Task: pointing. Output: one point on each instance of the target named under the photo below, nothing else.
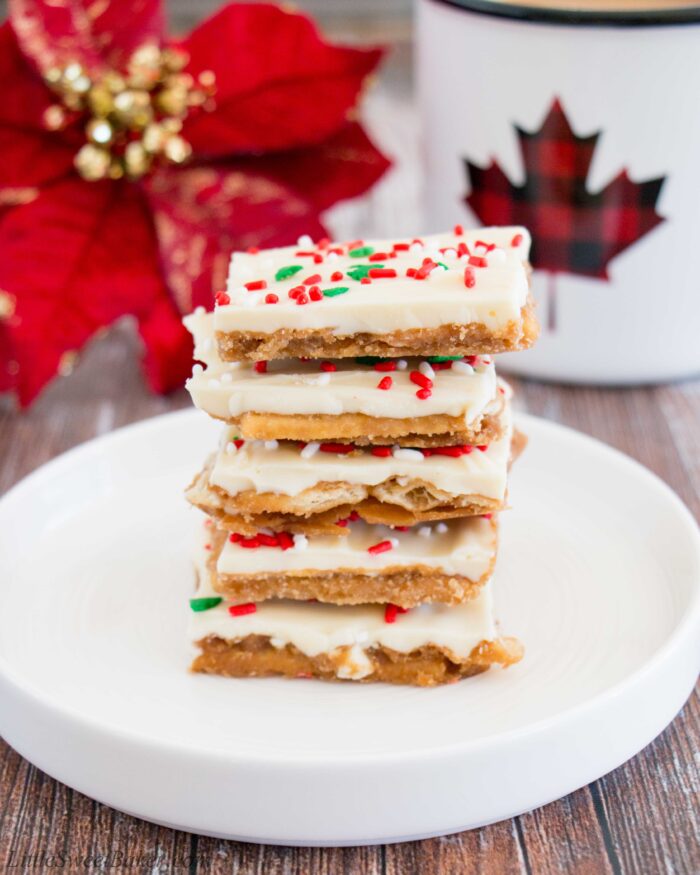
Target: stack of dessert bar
(352, 504)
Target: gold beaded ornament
(135, 118)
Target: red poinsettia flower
(88, 235)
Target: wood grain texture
(642, 818)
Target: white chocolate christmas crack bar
(256, 479)
(445, 562)
(425, 402)
(428, 645)
(458, 293)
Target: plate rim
(469, 747)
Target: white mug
(584, 126)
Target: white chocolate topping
(289, 470)
(496, 297)
(293, 387)
(463, 547)
(316, 628)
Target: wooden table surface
(642, 818)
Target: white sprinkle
(230, 447)
(305, 241)
(462, 368)
(227, 377)
(403, 454)
(441, 528)
(301, 542)
(332, 256)
(426, 370)
(450, 253)
(425, 531)
(401, 365)
(197, 370)
(250, 300)
(322, 379)
(394, 542)
(310, 450)
(415, 247)
(271, 445)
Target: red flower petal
(278, 85)
(75, 259)
(343, 167)
(201, 214)
(98, 35)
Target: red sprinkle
(385, 366)
(459, 230)
(256, 285)
(423, 394)
(252, 250)
(315, 293)
(385, 383)
(421, 380)
(302, 299)
(328, 366)
(517, 240)
(267, 540)
(313, 279)
(336, 275)
(295, 291)
(469, 277)
(241, 610)
(271, 298)
(260, 367)
(402, 528)
(411, 271)
(401, 247)
(392, 611)
(222, 298)
(336, 448)
(249, 543)
(285, 540)
(382, 452)
(379, 256)
(354, 516)
(483, 447)
(487, 516)
(462, 248)
(487, 246)
(238, 443)
(365, 281)
(342, 523)
(235, 537)
(305, 254)
(318, 258)
(379, 272)
(323, 243)
(441, 366)
(381, 547)
(478, 261)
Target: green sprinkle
(362, 252)
(331, 293)
(360, 271)
(205, 604)
(444, 358)
(370, 359)
(285, 272)
(442, 264)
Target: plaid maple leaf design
(574, 230)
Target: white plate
(599, 576)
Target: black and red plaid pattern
(573, 230)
